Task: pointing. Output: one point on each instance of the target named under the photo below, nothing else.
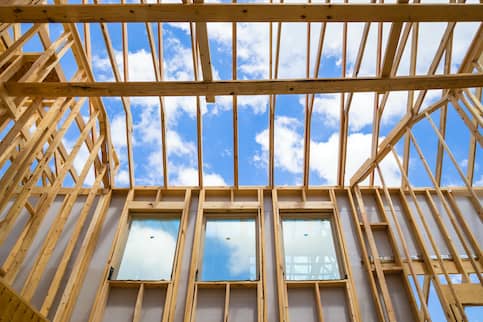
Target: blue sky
(253, 63)
(253, 111)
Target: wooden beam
(204, 53)
(391, 47)
(391, 139)
(125, 100)
(234, 76)
(242, 87)
(199, 115)
(242, 13)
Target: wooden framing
(241, 12)
(412, 238)
(178, 88)
(385, 80)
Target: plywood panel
(334, 304)
(153, 304)
(302, 305)
(210, 305)
(399, 298)
(243, 305)
(120, 304)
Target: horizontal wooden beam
(242, 13)
(242, 87)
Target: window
(229, 250)
(150, 249)
(309, 248)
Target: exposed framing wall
(376, 283)
(57, 244)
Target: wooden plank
(172, 292)
(125, 100)
(138, 308)
(103, 289)
(237, 205)
(243, 87)
(472, 126)
(422, 243)
(19, 252)
(46, 249)
(74, 284)
(204, 54)
(474, 200)
(235, 106)
(379, 273)
(279, 261)
(405, 247)
(389, 54)
(11, 303)
(226, 308)
(148, 206)
(468, 294)
(320, 313)
(16, 172)
(385, 146)
(191, 292)
(307, 205)
(159, 75)
(241, 13)
(62, 266)
(352, 300)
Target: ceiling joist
(242, 13)
(242, 87)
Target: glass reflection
(229, 250)
(150, 248)
(309, 250)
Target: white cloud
(176, 145)
(122, 177)
(149, 252)
(288, 145)
(323, 155)
(240, 238)
(118, 132)
(188, 176)
(324, 158)
(253, 63)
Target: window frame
(304, 214)
(228, 215)
(158, 214)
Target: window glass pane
(150, 248)
(229, 250)
(309, 250)
(474, 313)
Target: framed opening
(309, 248)
(229, 250)
(150, 248)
